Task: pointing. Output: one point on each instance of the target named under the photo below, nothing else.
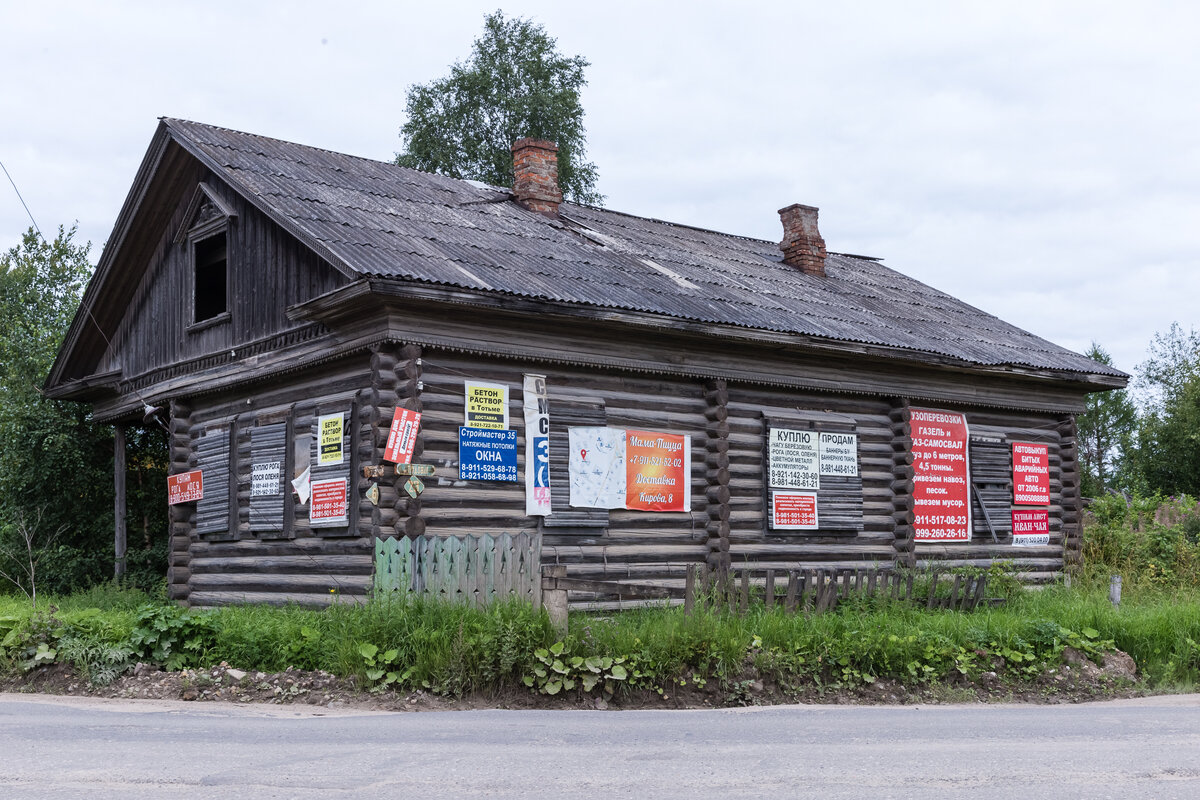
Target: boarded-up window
(329, 472)
(839, 496)
(212, 457)
(565, 414)
(991, 482)
(267, 452)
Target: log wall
(281, 559)
(727, 525)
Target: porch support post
(119, 500)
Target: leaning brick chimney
(535, 175)
(802, 244)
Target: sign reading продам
(839, 454)
(794, 511)
(1031, 474)
(941, 488)
(186, 487)
(1030, 527)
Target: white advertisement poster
(839, 454)
(265, 479)
(794, 459)
(537, 446)
(597, 467)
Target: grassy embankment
(455, 650)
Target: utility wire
(22, 199)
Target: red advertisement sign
(187, 487)
(1030, 527)
(657, 471)
(1031, 474)
(328, 503)
(403, 436)
(941, 491)
(794, 510)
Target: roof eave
(350, 300)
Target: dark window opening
(211, 276)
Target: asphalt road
(71, 748)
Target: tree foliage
(55, 461)
(1168, 437)
(1106, 432)
(515, 84)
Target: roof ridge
(338, 153)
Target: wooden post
(554, 599)
(689, 589)
(119, 510)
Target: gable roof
(376, 219)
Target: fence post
(1114, 591)
(554, 599)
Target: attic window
(210, 289)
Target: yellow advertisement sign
(487, 405)
(330, 444)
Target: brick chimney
(535, 175)
(802, 244)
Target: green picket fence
(467, 569)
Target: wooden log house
(262, 297)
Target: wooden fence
(818, 591)
(810, 591)
(468, 569)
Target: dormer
(204, 234)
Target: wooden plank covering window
(325, 472)
(566, 414)
(212, 457)
(268, 444)
(840, 497)
(991, 475)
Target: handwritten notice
(941, 492)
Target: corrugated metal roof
(380, 219)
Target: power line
(22, 199)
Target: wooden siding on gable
(268, 270)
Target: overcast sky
(1039, 160)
